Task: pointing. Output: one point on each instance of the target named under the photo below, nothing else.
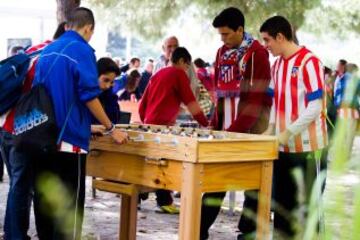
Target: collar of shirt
(76, 36)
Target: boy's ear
(240, 29)
(280, 37)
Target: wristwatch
(110, 130)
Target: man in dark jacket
(242, 76)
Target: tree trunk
(64, 8)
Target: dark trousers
(211, 206)
(3, 154)
(163, 197)
(59, 195)
(294, 178)
(331, 119)
(1, 169)
(5, 146)
(19, 167)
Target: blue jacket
(339, 88)
(120, 83)
(67, 67)
(109, 101)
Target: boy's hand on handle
(119, 136)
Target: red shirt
(255, 103)
(205, 78)
(167, 89)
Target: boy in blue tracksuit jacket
(68, 70)
(77, 86)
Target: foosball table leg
(190, 206)
(128, 215)
(263, 216)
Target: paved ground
(102, 213)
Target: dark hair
(343, 62)
(107, 65)
(230, 17)
(133, 78)
(278, 24)
(81, 17)
(199, 63)
(180, 52)
(134, 59)
(327, 70)
(133, 73)
(59, 30)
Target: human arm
(98, 112)
(249, 109)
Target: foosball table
(191, 161)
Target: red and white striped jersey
(295, 82)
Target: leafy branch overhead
(150, 19)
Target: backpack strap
(35, 53)
(43, 80)
(63, 127)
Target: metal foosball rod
(157, 139)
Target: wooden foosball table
(191, 161)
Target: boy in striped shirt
(297, 118)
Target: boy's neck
(290, 49)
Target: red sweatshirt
(167, 89)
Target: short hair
(230, 17)
(81, 17)
(133, 78)
(107, 65)
(199, 63)
(180, 52)
(59, 30)
(278, 24)
(133, 73)
(134, 59)
(343, 62)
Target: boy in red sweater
(167, 89)
(160, 104)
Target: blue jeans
(20, 194)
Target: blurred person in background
(146, 75)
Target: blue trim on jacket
(314, 95)
(67, 67)
(339, 89)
